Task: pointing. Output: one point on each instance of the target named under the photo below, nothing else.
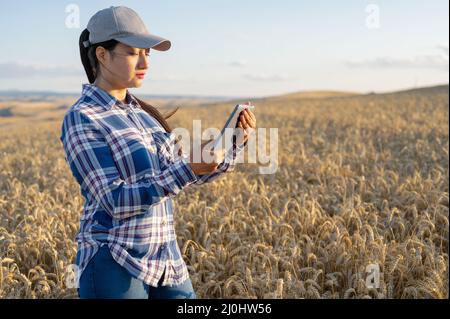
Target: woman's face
(123, 67)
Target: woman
(121, 152)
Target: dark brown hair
(90, 64)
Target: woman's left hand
(247, 122)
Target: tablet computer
(231, 124)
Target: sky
(240, 48)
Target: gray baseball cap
(124, 25)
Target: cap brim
(145, 42)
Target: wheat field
(361, 180)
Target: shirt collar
(106, 100)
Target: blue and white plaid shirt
(128, 171)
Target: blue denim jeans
(104, 278)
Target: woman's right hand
(205, 166)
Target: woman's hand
(247, 122)
(208, 164)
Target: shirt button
(163, 246)
(163, 222)
(152, 149)
(141, 129)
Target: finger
(248, 117)
(244, 122)
(249, 123)
(252, 123)
(251, 119)
(240, 116)
(250, 113)
(241, 119)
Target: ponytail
(85, 56)
(90, 64)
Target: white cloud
(444, 48)
(263, 77)
(172, 77)
(20, 70)
(430, 61)
(237, 63)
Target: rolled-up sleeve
(93, 166)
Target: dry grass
(361, 180)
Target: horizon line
(6, 92)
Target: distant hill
(329, 94)
(315, 94)
(15, 94)
(17, 106)
(319, 94)
(171, 101)
(28, 94)
(424, 90)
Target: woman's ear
(100, 52)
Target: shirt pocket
(135, 154)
